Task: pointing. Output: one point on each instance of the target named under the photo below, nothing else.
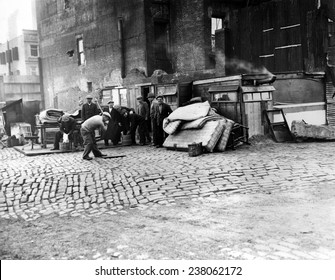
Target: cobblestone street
(272, 201)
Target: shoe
(54, 149)
(158, 146)
(87, 158)
(102, 155)
(142, 144)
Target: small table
(31, 138)
(43, 128)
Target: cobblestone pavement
(149, 178)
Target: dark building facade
(122, 49)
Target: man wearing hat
(88, 133)
(153, 125)
(143, 111)
(114, 128)
(161, 111)
(67, 125)
(89, 109)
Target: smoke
(245, 67)
(238, 66)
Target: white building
(19, 56)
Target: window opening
(80, 49)
(215, 25)
(33, 50)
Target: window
(80, 50)
(225, 96)
(89, 87)
(15, 52)
(8, 56)
(33, 50)
(33, 71)
(216, 24)
(3, 58)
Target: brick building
(125, 48)
(118, 45)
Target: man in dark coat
(144, 111)
(137, 121)
(89, 109)
(161, 111)
(67, 126)
(153, 124)
(114, 126)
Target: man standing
(67, 126)
(143, 111)
(137, 121)
(88, 133)
(153, 103)
(89, 109)
(114, 125)
(161, 111)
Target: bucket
(195, 149)
(126, 140)
(65, 146)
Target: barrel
(126, 140)
(195, 149)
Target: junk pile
(304, 131)
(197, 123)
(50, 116)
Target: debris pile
(197, 123)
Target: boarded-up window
(15, 52)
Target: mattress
(190, 112)
(199, 123)
(50, 116)
(209, 136)
(170, 127)
(222, 143)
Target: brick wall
(97, 22)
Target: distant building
(19, 56)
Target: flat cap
(110, 101)
(139, 97)
(89, 97)
(159, 96)
(151, 95)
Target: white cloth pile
(197, 123)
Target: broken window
(80, 50)
(215, 25)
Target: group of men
(113, 121)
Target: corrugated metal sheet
(330, 90)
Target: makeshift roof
(11, 103)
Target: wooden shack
(241, 98)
